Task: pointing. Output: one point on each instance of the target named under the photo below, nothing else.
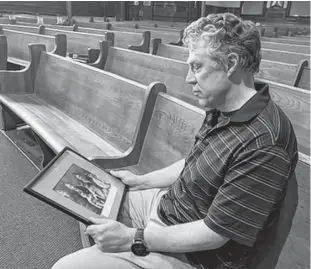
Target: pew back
(295, 102)
(145, 68)
(122, 39)
(170, 135)
(286, 47)
(181, 53)
(93, 97)
(296, 41)
(77, 42)
(18, 43)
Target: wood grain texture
(295, 103)
(181, 53)
(145, 68)
(284, 56)
(171, 133)
(278, 72)
(296, 41)
(78, 43)
(18, 43)
(304, 81)
(22, 28)
(286, 47)
(72, 87)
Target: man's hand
(135, 182)
(110, 235)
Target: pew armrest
(98, 57)
(155, 45)
(144, 45)
(60, 45)
(132, 155)
(303, 64)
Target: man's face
(210, 82)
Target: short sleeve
(253, 185)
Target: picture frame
(77, 187)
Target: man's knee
(63, 263)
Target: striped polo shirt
(235, 178)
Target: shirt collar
(254, 105)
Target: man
(214, 208)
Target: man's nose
(190, 79)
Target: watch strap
(139, 235)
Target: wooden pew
(274, 71)
(170, 137)
(145, 68)
(127, 40)
(78, 44)
(181, 53)
(296, 41)
(286, 47)
(72, 104)
(18, 52)
(295, 102)
(284, 56)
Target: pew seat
(72, 104)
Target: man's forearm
(182, 238)
(164, 177)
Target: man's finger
(100, 220)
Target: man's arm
(157, 179)
(187, 237)
(164, 177)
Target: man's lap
(139, 209)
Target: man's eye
(196, 67)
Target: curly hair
(225, 33)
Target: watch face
(139, 249)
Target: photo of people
(84, 188)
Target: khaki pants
(138, 210)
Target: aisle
(32, 234)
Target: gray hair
(226, 33)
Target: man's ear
(233, 62)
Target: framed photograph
(74, 185)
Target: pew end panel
(299, 74)
(98, 58)
(3, 52)
(155, 45)
(131, 156)
(60, 45)
(18, 82)
(144, 45)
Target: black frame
(28, 188)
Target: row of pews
(127, 104)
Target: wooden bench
(72, 104)
(133, 41)
(286, 47)
(274, 71)
(181, 53)
(169, 138)
(145, 68)
(296, 41)
(17, 45)
(77, 43)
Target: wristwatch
(139, 247)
